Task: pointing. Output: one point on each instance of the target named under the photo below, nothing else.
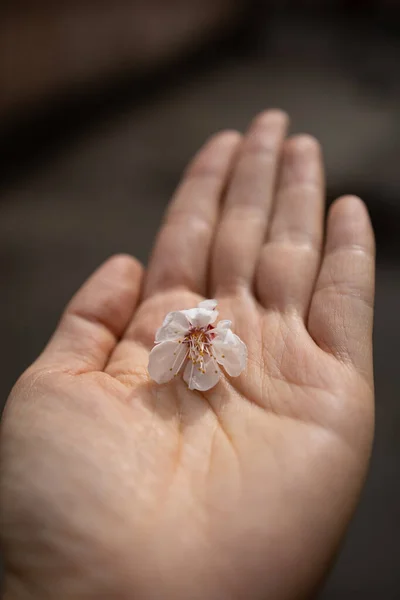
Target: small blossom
(189, 342)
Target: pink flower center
(199, 341)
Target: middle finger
(241, 232)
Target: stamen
(199, 346)
(191, 377)
(177, 358)
(183, 360)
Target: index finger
(181, 252)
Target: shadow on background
(88, 164)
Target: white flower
(189, 339)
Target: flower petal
(207, 304)
(230, 352)
(201, 317)
(175, 326)
(197, 380)
(221, 326)
(165, 360)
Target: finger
(242, 228)
(341, 311)
(128, 362)
(181, 253)
(290, 257)
(95, 318)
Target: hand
(115, 487)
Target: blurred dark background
(101, 106)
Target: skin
(115, 487)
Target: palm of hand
(175, 493)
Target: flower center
(198, 340)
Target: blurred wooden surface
(46, 47)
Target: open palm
(113, 486)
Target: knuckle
(125, 265)
(271, 117)
(262, 145)
(302, 143)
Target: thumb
(95, 318)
